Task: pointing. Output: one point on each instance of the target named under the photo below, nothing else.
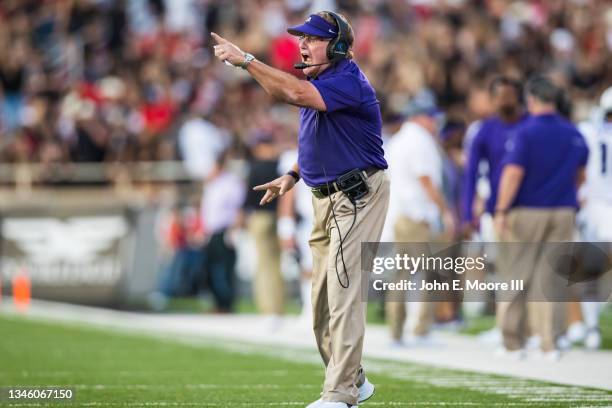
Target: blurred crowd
(123, 80)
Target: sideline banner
(85, 255)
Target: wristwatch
(247, 60)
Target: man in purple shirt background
(489, 145)
(340, 130)
(536, 203)
(487, 149)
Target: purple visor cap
(314, 25)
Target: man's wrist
(294, 174)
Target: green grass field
(109, 368)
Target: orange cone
(22, 291)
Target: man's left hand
(226, 51)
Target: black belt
(327, 189)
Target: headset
(338, 48)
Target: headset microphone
(303, 65)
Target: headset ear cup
(337, 48)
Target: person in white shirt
(417, 209)
(596, 199)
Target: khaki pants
(269, 289)
(408, 230)
(338, 312)
(528, 262)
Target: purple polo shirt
(348, 134)
(551, 150)
(489, 144)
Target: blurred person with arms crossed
(536, 203)
(340, 157)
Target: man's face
(505, 100)
(313, 51)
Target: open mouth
(305, 58)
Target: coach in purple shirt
(340, 130)
(536, 203)
(489, 145)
